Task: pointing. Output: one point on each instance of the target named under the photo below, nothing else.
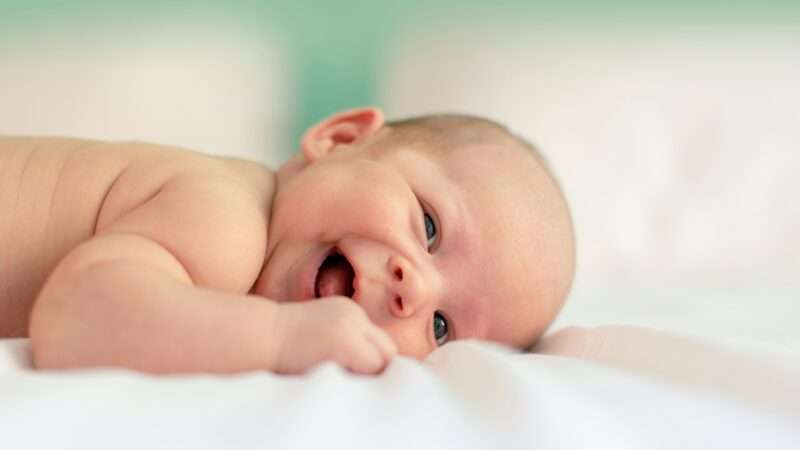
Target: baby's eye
(440, 328)
(431, 233)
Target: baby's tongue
(335, 278)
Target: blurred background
(673, 127)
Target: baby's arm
(154, 291)
(123, 300)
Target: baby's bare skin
(57, 193)
(130, 247)
(166, 260)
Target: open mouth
(335, 276)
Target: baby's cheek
(409, 343)
(382, 213)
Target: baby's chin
(261, 289)
(267, 290)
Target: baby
(411, 234)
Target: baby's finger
(384, 342)
(364, 357)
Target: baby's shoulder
(195, 180)
(211, 212)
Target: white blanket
(466, 395)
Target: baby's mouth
(335, 276)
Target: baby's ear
(346, 127)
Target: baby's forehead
(490, 165)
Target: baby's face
(434, 245)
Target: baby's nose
(407, 287)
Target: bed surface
(466, 395)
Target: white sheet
(467, 395)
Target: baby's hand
(331, 329)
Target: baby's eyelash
(427, 213)
(444, 327)
(430, 229)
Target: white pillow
(675, 359)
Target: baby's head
(440, 227)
